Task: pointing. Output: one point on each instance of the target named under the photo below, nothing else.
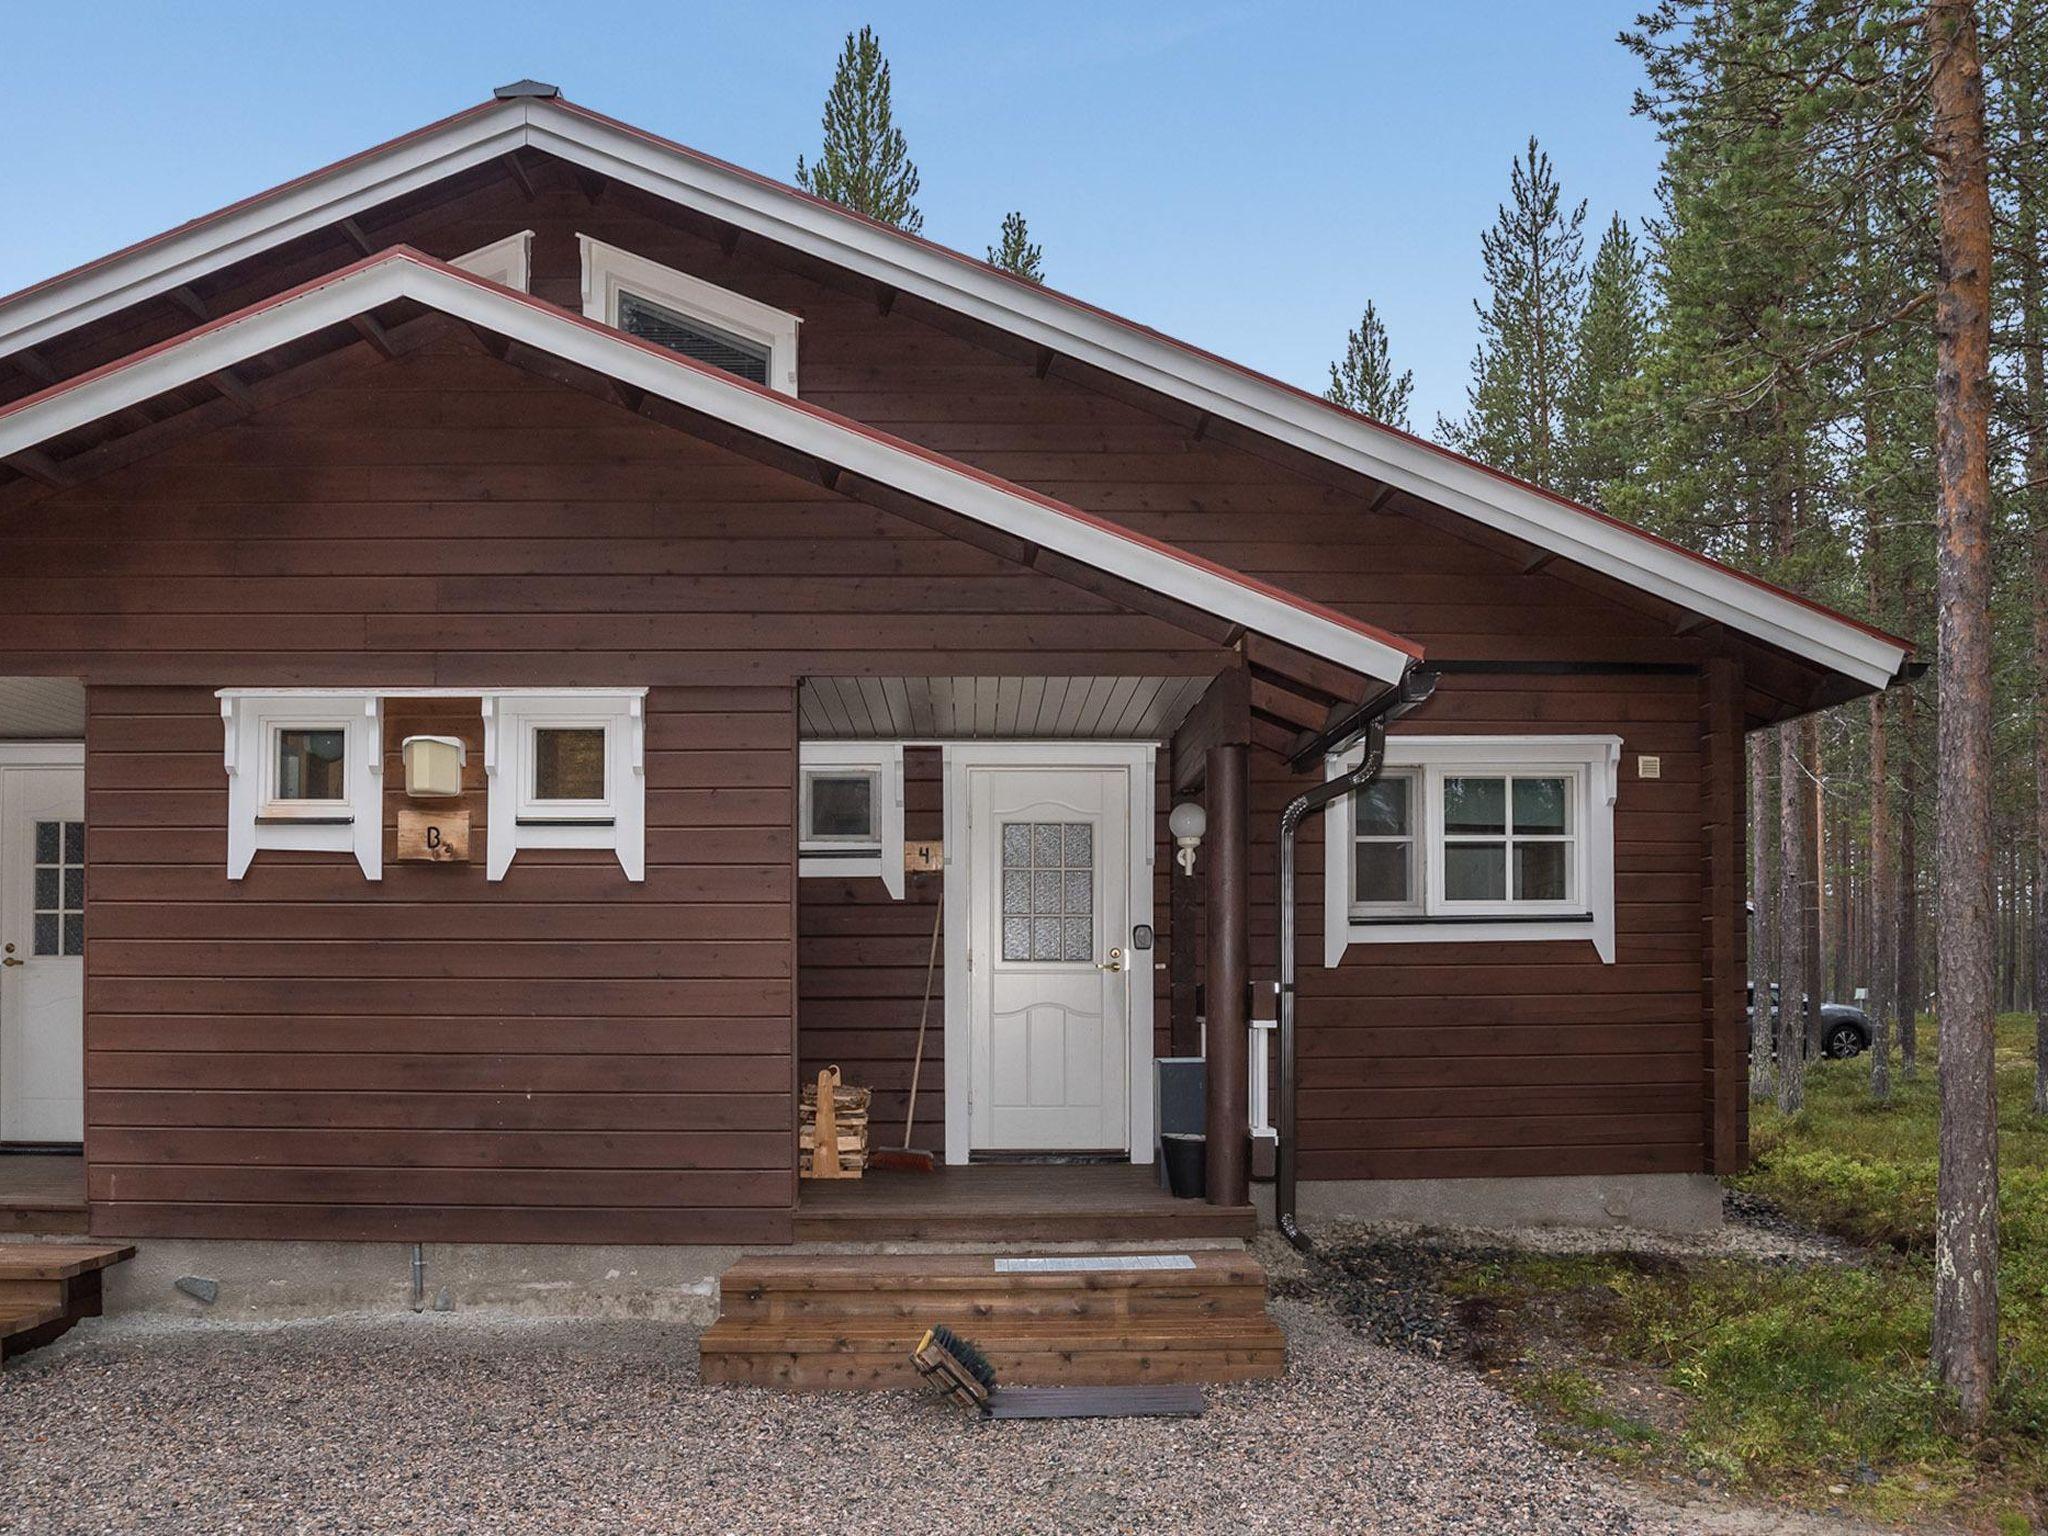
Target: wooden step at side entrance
(820, 1323)
(47, 1287)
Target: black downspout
(1415, 689)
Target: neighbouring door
(1049, 962)
(42, 945)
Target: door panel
(1049, 900)
(42, 939)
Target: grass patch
(1810, 1382)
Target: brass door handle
(10, 960)
(1115, 962)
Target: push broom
(906, 1159)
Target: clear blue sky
(1241, 175)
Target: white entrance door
(42, 942)
(1049, 909)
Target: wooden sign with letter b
(433, 837)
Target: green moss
(1799, 1378)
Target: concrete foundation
(252, 1280)
(1651, 1202)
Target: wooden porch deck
(1011, 1203)
(42, 1192)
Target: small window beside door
(839, 806)
(59, 890)
(849, 811)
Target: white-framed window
(687, 315)
(850, 810)
(305, 771)
(1475, 838)
(567, 770)
(508, 261)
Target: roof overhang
(806, 429)
(1063, 325)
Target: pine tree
(1536, 276)
(1016, 253)
(1966, 1185)
(1602, 445)
(865, 164)
(1363, 380)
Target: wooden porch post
(1228, 981)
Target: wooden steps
(43, 1194)
(47, 1287)
(840, 1322)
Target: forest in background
(1751, 372)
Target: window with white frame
(850, 810)
(305, 772)
(1467, 838)
(687, 315)
(567, 770)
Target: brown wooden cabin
(741, 543)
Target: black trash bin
(1187, 1164)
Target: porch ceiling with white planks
(995, 708)
(41, 709)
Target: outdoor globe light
(1187, 824)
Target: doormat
(1092, 1263)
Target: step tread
(1055, 1336)
(58, 1261)
(21, 1321)
(971, 1271)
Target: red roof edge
(782, 401)
(1139, 328)
(1081, 305)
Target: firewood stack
(834, 1140)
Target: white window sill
(853, 866)
(1425, 930)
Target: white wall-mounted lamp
(1187, 824)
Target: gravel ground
(469, 1423)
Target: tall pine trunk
(1906, 912)
(1794, 869)
(1881, 934)
(1966, 1192)
(2033, 325)
(1881, 931)
(1814, 857)
(1763, 913)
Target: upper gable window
(687, 315)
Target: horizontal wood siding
(567, 1055)
(861, 979)
(1489, 1060)
(454, 521)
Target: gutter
(1413, 691)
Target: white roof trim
(978, 291)
(856, 449)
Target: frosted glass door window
(1049, 891)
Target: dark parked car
(1845, 1029)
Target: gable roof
(850, 446)
(910, 264)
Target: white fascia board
(967, 288)
(1261, 405)
(298, 208)
(773, 416)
